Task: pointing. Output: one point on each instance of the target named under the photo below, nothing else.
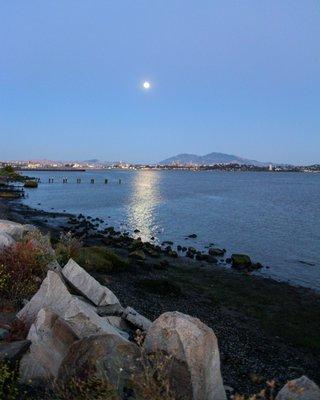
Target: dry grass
(23, 267)
(269, 393)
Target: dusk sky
(232, 76)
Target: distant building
(270, 167)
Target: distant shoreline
(176, 168)
(52, 169)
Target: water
(273, 217)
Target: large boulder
(106, 357)
(87, 285)
(299, 389)
(193, 343)
(6, 240)
(50, 338)
(14, 229)
(81, 316)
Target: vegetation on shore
(22, 268)
(8, 177)
(10, 174)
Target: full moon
(146, 85)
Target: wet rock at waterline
(243, 262)
(216, 252)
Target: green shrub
(67, 247)
(98, 258)
(9, 387)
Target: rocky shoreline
(259, 323)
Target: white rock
(137, 319)
(299, 389)
(50, 338)
(191, 342)
(6, 240)
(87, 285)
(15, 229)
(80, 315)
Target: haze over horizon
(232, 77)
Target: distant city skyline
(143, 81)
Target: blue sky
(233, 76)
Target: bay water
(272, 217)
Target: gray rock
(50, 338)
(6, 240)
(193, 343)
(113, 309)
(87, 285)
(12, 352)
(106, 357)
(216, 252)
(80, 315)
(299, 389)
(14, 229)
(138, 320)
(118, 323)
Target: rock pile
(76, 323)
(78, 328)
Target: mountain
(210, 159)
(92, 161)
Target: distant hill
(92, 161)
(210, 159)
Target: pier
(92, 181)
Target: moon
(146, 85)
